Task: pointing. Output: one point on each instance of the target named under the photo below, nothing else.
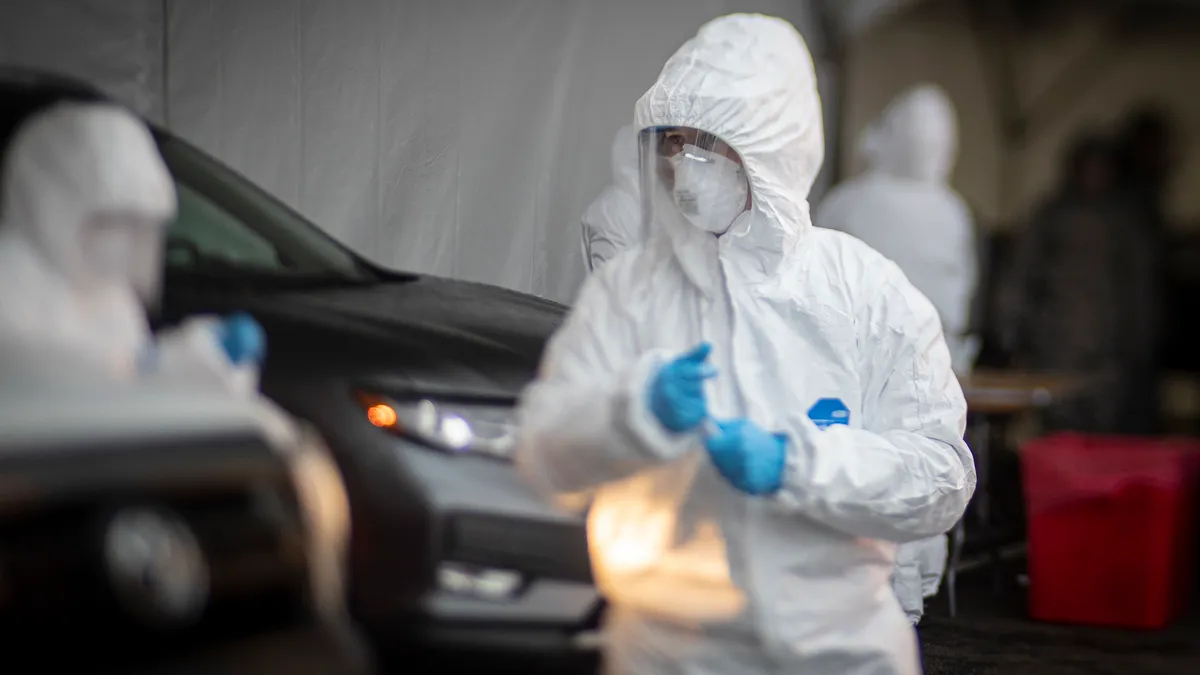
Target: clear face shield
(693, 177)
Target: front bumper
(553, 613)
(415, 511)
(472, 636)
(549, 617)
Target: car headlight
(468, 428)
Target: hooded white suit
(86, 198)
(701, 577)
(613, 222)
(904, 208)
(86, 203)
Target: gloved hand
(243, 339)
(751, 459)
(676, 394)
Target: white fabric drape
(457, 137)
(116, 45)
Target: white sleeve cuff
(633, 412)
(797, 470)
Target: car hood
(428, 335)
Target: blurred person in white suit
(613, 222)
(904, 207)
(86, 203)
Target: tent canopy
(855, 17)
(1002, 31)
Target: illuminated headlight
(457, 428)
(479, 582)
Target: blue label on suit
(829, 411)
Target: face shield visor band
(691, 178)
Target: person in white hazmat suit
(613, 222)
(904, 208)
(86, 203)
(757, 409)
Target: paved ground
(983, 646)
(991, 637)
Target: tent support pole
(834, 55)
(994, 30)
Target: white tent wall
(116, 45)
(457, 137)
(933, 41)
(464, 137)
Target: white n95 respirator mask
(710, 189)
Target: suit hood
(916, 137)
(749, 80)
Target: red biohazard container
(1111, 529)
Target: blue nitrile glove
(243, 339)
(751, 459)
(676, 395)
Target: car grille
(232, 494)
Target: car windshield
(228, 228)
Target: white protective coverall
(702, 578)
(613, 222)
(904, 208)
(80, 184)
(86, 203)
